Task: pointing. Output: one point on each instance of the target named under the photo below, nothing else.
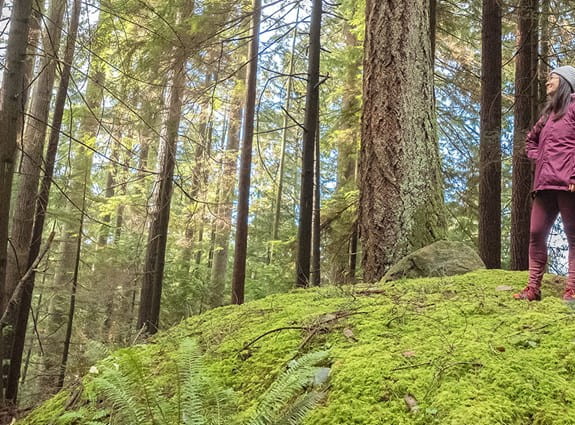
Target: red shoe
(569, 294)
(530, 294)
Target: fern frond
(189, 363)
(116, 388)
(291, 382)
(298, 410)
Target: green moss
(461, 347)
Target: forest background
(132, 117)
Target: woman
(551, 143)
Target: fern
(136, 399)
(285, 389)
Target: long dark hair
(559, 102)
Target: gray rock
(442, 258)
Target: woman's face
(552, 84)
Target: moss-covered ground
(454, 350)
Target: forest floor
(453, 350)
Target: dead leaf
(411, 403)
(348, 333)
(408, 354)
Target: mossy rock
(441, 258)
(451, 350)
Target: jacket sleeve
(532, 142)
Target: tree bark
(316, 232)
(241, 243)
(151, 293)
(308, 150)
(401, 203)
(11, 117)
(526, 90)
(33, 148)
(40, 210)
(490, 135)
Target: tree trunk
(490, 135)
(526, 90)
(12, 97)
(545, 38)
(81, 159)
(225, 198)
(40, 210)
(10, 119)
(33, 149)
(151, 293)
(310, 127)
(241, 243)
(401, 205)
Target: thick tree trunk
(12, 97)
(40, 210)
(33, 149)
(151, 293)
(545, 37)
(310, 127)
(241, 243)
(10, 119)
(490, 137)
(526, 90)
(401, 204)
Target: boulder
(441, 258)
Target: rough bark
(401, 203)
(11, 117)
(308, 149)
(12, 97)
(490, 137)
(40, 210)
(316, 218)
(241, 243)
(526, 90)
(33, 148)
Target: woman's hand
(572, 188)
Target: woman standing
(551, 144)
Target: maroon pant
(546, 206)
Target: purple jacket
(552, 145)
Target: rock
(442, 258)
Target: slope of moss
(454, 350)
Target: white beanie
(568, 74)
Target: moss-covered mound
(456, 350)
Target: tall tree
(308, 149)
(401, 205)
(241, 243)
(490, 136)
(33, 147)
(25, 299)
(526, 92)
(10, 120)
(150, 295)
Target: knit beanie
(568, 74)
